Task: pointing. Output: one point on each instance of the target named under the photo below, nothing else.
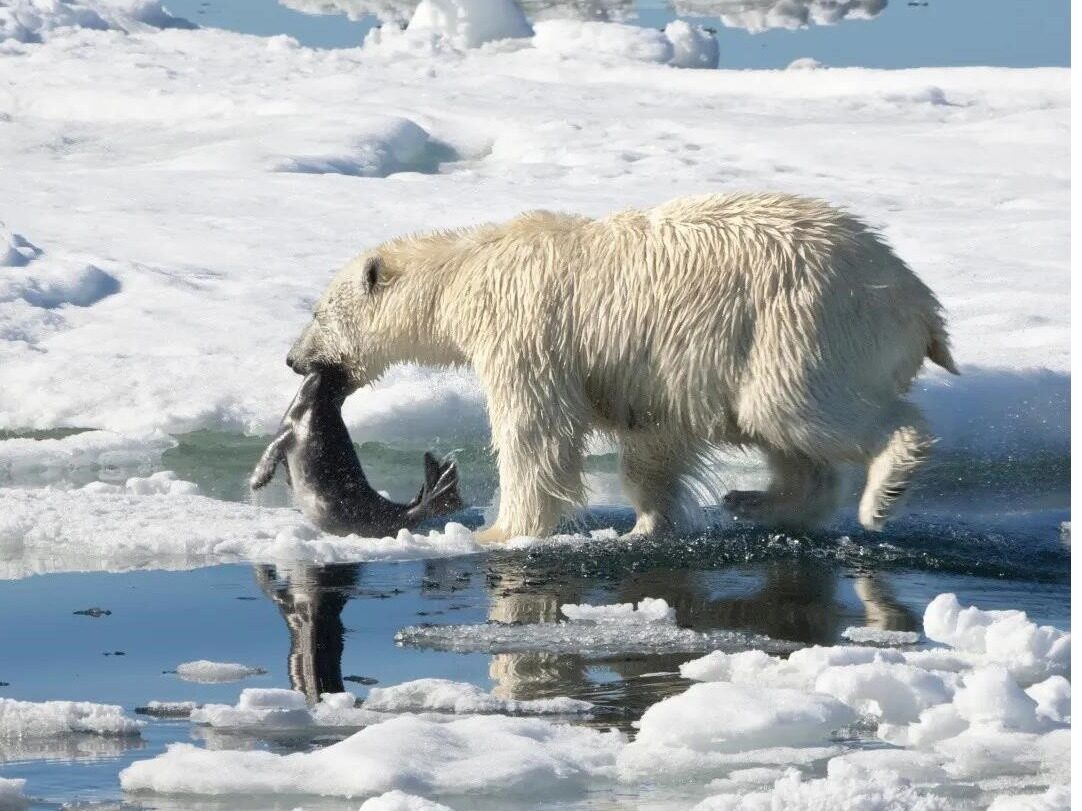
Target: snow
(879, 636)
(45, 719)
(207, 672)
(475, 755)
(31, 20)
(442, 695)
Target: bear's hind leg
(654, 469)
(906, 445)
(803, 492)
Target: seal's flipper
(271, 458)
(439, 495)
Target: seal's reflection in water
(798, 601)
(310, 600)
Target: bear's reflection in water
(800, 601)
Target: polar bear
(768, 321)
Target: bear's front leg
(540, 464)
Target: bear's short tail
(939, 349)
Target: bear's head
(378, 310)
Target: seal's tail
(439, 495)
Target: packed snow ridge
(850, 726)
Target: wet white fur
(771, 321)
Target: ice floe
(101, 451)
(649, 627)
(400, 801)
(207, 672)
(31, 20)
(274, 708)
(49, 719)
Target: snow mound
(1030, 652)
(204, 671)
(93, 530)
(648, 610)
(385, 147)
(31, 719)
(104, 450)
(476, 755)
(81, 287)
(692, 45)
(878, 636)
(31, 20)
(442, 695)
(15, 251)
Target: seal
(328, 482)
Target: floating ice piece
(207, 672)
(32, 719)
(805, 63)
(167, 709)
(1030, 652)
(583, 639)
(441, 695)
(878, 636)
(1057, 798)
(648, 610)
(799, 671)
(476, 755)
(400, 801)
(881, 792)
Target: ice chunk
(207, 672)
(162, 483)
(649, 609)
(475, 755)
(805, 63)
(799, 671)
(1030, 652)
(441, 695)
(470, 23)
(895, 693)
(31, 719)
(15, 250)
(168, 709)
(692, 45)
(284, 709)
(1053, 697)
(12, 797)
(878, 636)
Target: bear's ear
(373, 269)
